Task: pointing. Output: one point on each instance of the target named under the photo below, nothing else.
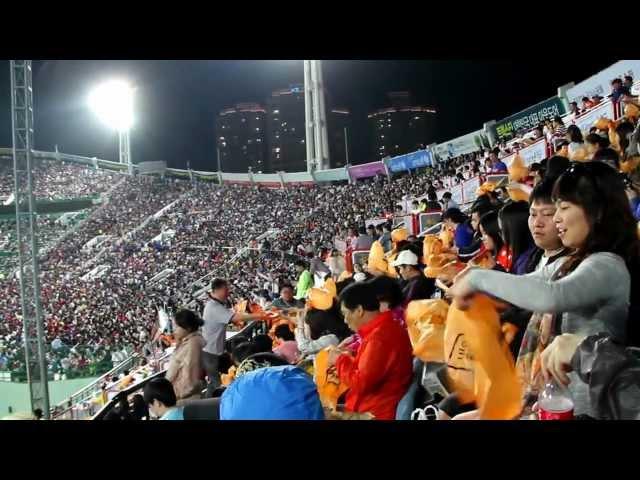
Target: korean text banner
(367, 170)
(410, 161)
(600, 83)
(529, 118)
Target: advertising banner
(469, 143)
(600, 83)
(456, 194)
(469, 189)
(410, 161)
(586, 120)
(535, 152)
(335, 174)
(367, 170)
(529, 118)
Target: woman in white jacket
(319, 329)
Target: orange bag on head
(330, 387)
(631, 111)
(479, 359)
(425, 324)
(517, 170)
(485, 188)
(430, 246)
(320, 299)
(377, 263)
(330, 286)
(391, 270)
(399, 234)
(602, 124)
(446, 236)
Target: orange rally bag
(480, 365)
(425, 323)
(329, 386)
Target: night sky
(177, 101)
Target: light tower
(316, 138)
(26, 233)
(112, 102)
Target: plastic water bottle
(555, 403)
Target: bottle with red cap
(555, 403)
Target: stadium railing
(251, 329)
(63, 411)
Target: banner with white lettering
(585, 121)
(535, 152)
(469, 189)
(456, 194)
(600, 83)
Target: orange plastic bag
(328, 384)
(240, 307)
(437, 262)
(425, 324)
(399, 234)
(330, 286)
(481, 368)
(344, 276)
(446, 236)
(519, 192)
(431, 245)
(602, 124)
(320, 299)
(376, 263)
(227, 378)
(485, 188)
(517, 170)
(628, 166)
(631, 111)
(391, 270)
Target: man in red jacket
(380, 373)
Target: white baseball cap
(406, 257)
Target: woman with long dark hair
(590, 292)
(514, 225)
(321, 329)
(492, 240)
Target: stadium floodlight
(112, 102)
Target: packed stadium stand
(144, 246)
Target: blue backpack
(272, 393)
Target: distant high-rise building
(240, 133)
(400, 128)
(286, 134)
(285, 130)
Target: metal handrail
(100, 414)
(90, 390)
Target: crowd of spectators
(55, 180)
(256, 236)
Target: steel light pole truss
(26, 233)
(316, 137)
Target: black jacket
(612, 372)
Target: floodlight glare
(112, 102)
